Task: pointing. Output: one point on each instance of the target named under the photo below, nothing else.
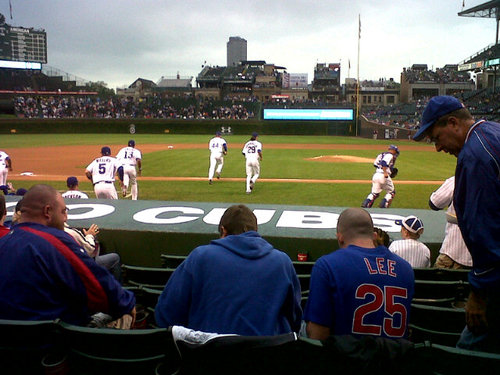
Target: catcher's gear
(394, 172)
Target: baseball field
(296, 170)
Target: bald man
(359, 289)
(45, 275)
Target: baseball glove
(394, 172)
(224, 152)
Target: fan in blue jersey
(359, 289)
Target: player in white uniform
(253, 154)
(73, 192)
(102, 174)
(129, 157)
(5, 167)
(218, 148)
(381, 179)
(410, 248)
(453, 253)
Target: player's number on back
(378, 299)
(102, 168)
(251, 149)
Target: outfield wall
(140, 231)
(175, 126)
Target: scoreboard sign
(23, 44)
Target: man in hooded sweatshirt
(236, 284)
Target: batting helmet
(105, 151)
(131, 143)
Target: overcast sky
(117, 41)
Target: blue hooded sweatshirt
(238, 284)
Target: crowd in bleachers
(440, 75)
(124, 107)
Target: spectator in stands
(451, 127)
(356, 275)
(74, 192)
(236, 284)
(3, 214)
(45, 275)
(409, 247)
(86, 238)
(382, 238)
(453, 253)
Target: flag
(359, 33)
(10, 8)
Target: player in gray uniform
(129, 157)
(73, 192)
(5, 167)
(381, 180)
(218, 148)
(102, 174)
(253, 154)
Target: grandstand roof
(485, 10)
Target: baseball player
(5, 167)
(73, 192)
(102, 174)
(381, 180)
(453, 253)
(129, 157)
(253, 153)
(218, 148)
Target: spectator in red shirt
(3, 214)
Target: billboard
(295, 81)
(339, 114)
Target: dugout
(140, 231)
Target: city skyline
(120, 42)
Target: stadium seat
(441, 325)
(304, 282)
(172, 261)
(114, 351)
(440, 292)
(449, 360)
(23, 344)
(303, 268)
(441, 274)
(149, 277)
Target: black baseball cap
(105, 150)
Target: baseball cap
(5, 189)
(106, 150)
(131, 143)
(71, 181)
(395, 148)
(255, 134)
(412, 223)
(217, 133)
(21, 191)
(437, 107)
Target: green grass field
(277, 164)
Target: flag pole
(357, 78)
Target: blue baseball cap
(105, 150)
(412, 224)
(255, 134)
(131, 143)
(437, 107)
(217, 133)
(71, 181)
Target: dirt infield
(56, 163)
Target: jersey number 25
(380, 299)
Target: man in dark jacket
(236, 284)
(46, 275)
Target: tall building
(236, 50)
